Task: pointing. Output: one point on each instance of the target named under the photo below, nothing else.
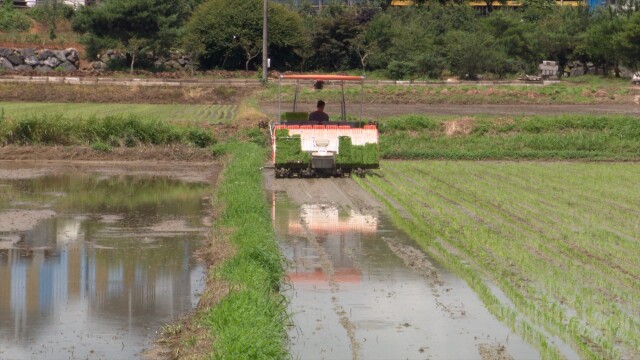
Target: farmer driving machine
(304, 148)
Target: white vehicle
(635, 80)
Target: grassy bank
(588, 90)
(249, 322)
(526, 137)
(212, 114)
(559, 239)
(241, 314)
(101, 132)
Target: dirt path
(383, 110)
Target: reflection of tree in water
(118, 270)
(92, 193)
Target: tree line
(429, 40)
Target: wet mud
(96, 258)
(361, 289)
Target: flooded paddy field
(95, 258)
(360, 288)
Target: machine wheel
(308, 172)
(360, 172)
(282, 173)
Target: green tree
(222, 32)
(513, 36)
(335, 29)
(135, 26)
(556, 36)
(596, 45)
(471, 54)
(628, 40)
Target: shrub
(110, 130)
(42, 12)
(12, 19)
(200, 137)
(100, 146)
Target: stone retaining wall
(41, 60)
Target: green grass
(249, 323)
(560, 239)
(212, 114)
(583, 90)
(102, 132)
(525, 137)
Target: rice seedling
(527, 137)
(560, 240)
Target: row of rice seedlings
(426, 236)
(226, 112)
(396, 185)
(356, 156)
(289, 149)
(603, 344)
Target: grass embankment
(527, 137)
(102, 133)
(250, 321)
(241, 314)
(560, 240)
(195, 113)
(108, 94)
(586, 90)
(242, 310)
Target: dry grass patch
(457, 127)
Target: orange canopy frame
(322, 77)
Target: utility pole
(265, 34)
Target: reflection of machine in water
(337, 231)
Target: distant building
(479, 4)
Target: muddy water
(91, 265)
(359, 288)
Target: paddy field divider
(249, 322)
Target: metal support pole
(265, 34)
(361, 98)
